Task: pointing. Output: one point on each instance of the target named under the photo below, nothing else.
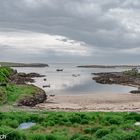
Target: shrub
(50, 137)
(77, 136)
(10, 122)
(102, 132)
(132, 116)
(92, 129)
(75, 118)
(112, 120)
(37, 137)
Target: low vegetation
(12, 93)
(132, 73)
(4, 74)
(71, 126)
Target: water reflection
(65, 83)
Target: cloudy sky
(82, 31)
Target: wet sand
(93, 102)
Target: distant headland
(110, 66)
(11, 64)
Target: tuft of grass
(5, 72)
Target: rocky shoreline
(37, 96)
(118, 78)
(23, 78)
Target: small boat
(45, 86)
(59, 69)
(75, 75)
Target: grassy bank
(12, 93)
(71, 126)
(4, 74)
(24, 94)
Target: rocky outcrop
(116, 78)
(36, 98)
(23, 78)
(34, 75)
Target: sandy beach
(93, 102)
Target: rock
(34, 75)
(52, 95)
(45, 79)
(75, 75)
(59, 70)
(46, 86)
(22, 74)
(135, 91)
(33, 100)
(115, 78)
(20, 78)
(23, 78)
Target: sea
(73, 80)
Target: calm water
(64, 83)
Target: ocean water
(64, 83)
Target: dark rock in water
(59, 70)
(135, 91)
(46, 86)
(33, 100)
(45, 79)
(23, 78)
(52, 95)
(75, 75)
(34, 75)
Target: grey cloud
(90, 21)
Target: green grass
(4, 74)
(131, 73)
(11, 93)
(70, 126)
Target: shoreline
(103, 102)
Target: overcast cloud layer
(88, 31)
